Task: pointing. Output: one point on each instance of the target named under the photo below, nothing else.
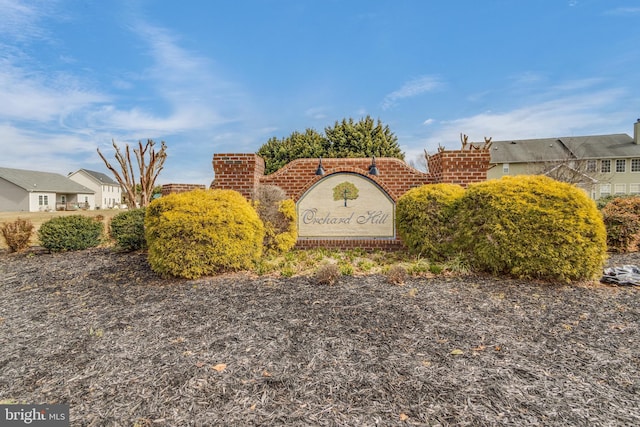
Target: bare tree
(572, 170)
(150, 163)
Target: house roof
(615, 146)
(100, 177)
(42, 181)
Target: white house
(33, 191)
(108, 191)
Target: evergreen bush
(17, 234)
(622, 220)
(531, 227)
(70, 233)
(423, 218)
(202, 232)
(127, 229)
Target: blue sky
(225, 76)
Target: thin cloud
(624, 11)
(410, 89)
(578, 114)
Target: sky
(218, 76)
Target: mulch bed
(99, 331)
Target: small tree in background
(150, 163)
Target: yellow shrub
(202, 232)
(531, 227)
(423, 217)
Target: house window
(634, 188)
(505, 168)
(621, 188)
(635, 165)
(621, 165)
(605, 190)
(592, 165)
(43, 200)
(605, 166)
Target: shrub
(278, 215)
(531, 227)
(423, 217)
(17, 234)
(397, 275)
(622, 220)
(327, 274)
(127, 229)
(202, 232)
(70, 233)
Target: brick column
(240, 172)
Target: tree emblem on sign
(345, 191)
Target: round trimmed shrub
(423, 219)
(70, 233)
(622, 220)
(531, 227)
(127, 229)
(202, 232)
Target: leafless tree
(150, 163)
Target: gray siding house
(602, 165)
(33, 191)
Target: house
(108, 192)
(33, 191)
(602, 165)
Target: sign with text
(34, 415)
(346, 205)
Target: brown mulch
(99, 331)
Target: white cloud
(33, 96)
(428, 122)
(412, 88)
(577, 114)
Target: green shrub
(202, 232)
(279, 217)
(423, 218)
(17, 234)
(70, 233)
(531, 227)
(127, 229)
(622, 220)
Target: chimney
(636, 132)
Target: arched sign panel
(346, 205)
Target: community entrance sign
(346, 205)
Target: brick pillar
(240, 172)
(462, 167)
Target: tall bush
(70, 233)
(622, 220)
(423, 218)
(127, 229)
(202, 232)
(531, 227)
(279, 217)
(17, 234)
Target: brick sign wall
(243, 172)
